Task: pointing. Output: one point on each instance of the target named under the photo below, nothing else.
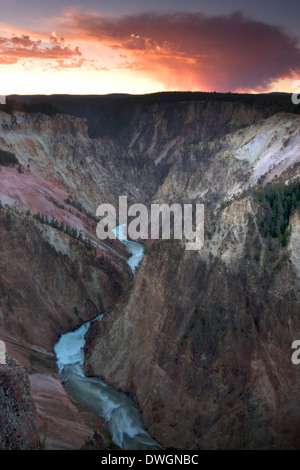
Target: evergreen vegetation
(65, 228)
(7, 158)
(278, 201)
(43, 108)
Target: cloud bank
(194, 51)
(23, 48)
(178, 51)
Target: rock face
(54, 272)
(61, 157)
(206, 350)
(18, 418)
(49, 282)
(203, 341)
(62, 424)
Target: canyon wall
(202, 339)
(18, 417)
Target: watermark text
(2, 352)
(296, 95)
(296, 354)
(184, 221)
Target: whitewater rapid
(117, 408)
(135, 249)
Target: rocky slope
(54, 272)
(204, 339)
(205, 346)
(50, 283)
(18, 418)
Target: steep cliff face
(54, 272)
(57, 150)
(204, 343)
(50, 282)
(18, 418)
(213, 170)
(204, 339)
(158, 128)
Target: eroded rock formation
(202, 339)
(18, 418)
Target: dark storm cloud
(227, 52)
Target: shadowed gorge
(200, 339)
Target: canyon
(201, 339)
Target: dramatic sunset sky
(123, 46)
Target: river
(117, 408)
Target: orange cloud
(8, 60)
(18, 48)
(193, 51)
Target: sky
(100, 47)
